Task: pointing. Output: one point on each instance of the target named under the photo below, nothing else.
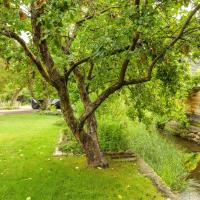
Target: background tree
(19, 77)
(101, 46)
(11, 87)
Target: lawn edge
(160, 185)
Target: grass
(164, 157)
(27, 168)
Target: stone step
(126, 159)
(120, 155)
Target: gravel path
(21, 110)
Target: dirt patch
(21, 110)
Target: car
(56, 103)
(35, 104)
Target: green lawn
(28, 169)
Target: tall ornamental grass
(162, 156)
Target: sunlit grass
(28, 169)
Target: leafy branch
(77, 25)
(119, 84)
(29, 53)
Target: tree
(10, 86)
(101, 46)
(28, 81)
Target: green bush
(8, 106)
(162, 156)
(51, 110)
(112, 136)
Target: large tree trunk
(90, 141)
(91, 146)
(87, 138)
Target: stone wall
(193, 111)
(193, 102)
(193, 134)
(190, 133)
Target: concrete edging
(146, 170)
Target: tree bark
(15, 96)
(93, 151)
(90, 140)
(90, 145)
(87, 138)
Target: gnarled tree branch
(118, 85)
(28, 52)
(88, 58)
(77, 25)
(37, 10)
(38, 36)
(126, 62)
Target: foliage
(192, 161)
(100, 32)
(113, 124)
(17, 73)
(162, 156)
(162, 103)
(28, 169)
(112, 136)
(51, 110)
(8, 106)
(196, 76)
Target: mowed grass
(29, 171)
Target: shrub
(8, 106)
(162, 156)
(112, 136)
(51, 110)
(192, 161)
